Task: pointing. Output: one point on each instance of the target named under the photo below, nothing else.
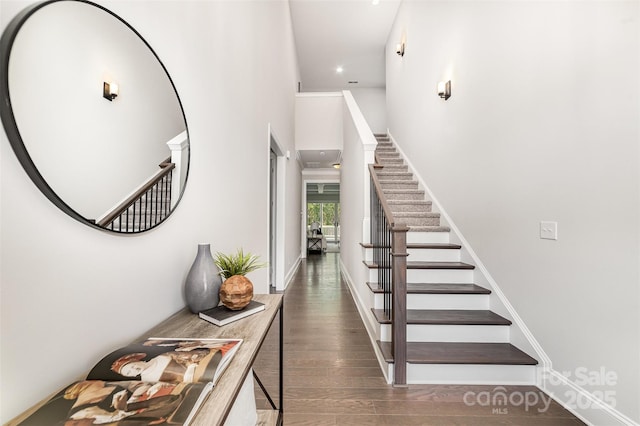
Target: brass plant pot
(236, 292)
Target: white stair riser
(426, 255)
(427, 237)
(434, 255)
(470, 374)
(444, 276)
(368, 254)
(451, 333)
(440, 301)
(440, 275)
(448, 301)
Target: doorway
(276, 207)
(323, 215)
(273, 215)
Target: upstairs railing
(389, 241)
(146, 207)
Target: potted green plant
(237, 290)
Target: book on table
(221, 315)
(156, 381)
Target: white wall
(352, 200)
(542, 125)
(319, 121)
(359, 147)
(59, 61)
(71, 293)
(372, 103)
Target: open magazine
(154, 382)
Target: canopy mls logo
(500, 400)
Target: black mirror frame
(11, 128)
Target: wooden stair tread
(436, 246)
(435, 288)
(428, 265)
(446, 317)
(461, 353)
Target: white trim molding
(593, 408)
(582, 403)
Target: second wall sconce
(400, 49)
(109, 91)
(444, 89)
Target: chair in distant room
(315, 229)
(316, 241)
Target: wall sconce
(400, 49)
(109, 91)
(444, 89)
(336, 165)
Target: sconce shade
(400, 49)
(444, 89)
(109, 91)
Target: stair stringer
(553, 382)
(521, 336)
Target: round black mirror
(93, 116)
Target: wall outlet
(549, 230)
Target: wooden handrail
(398, 264)
(383, 201)
(166, 168)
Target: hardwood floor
(332, 377)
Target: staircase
(452, 335)
(148, 210)
(146, 207)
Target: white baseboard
(582, 403)
(292, 272)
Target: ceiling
(319, 159)
(323, 188)
(347, 33)
(351, 34)
(323, 193)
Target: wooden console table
(252, 329)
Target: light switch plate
(549, 230)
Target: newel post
(399, 312)
(179, 147)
